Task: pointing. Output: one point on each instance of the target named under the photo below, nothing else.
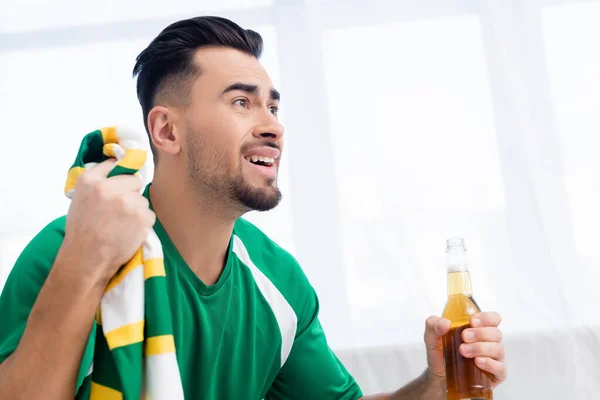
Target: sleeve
(23, 286)
(312, 370)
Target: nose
(269, 128)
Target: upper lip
(264, 152)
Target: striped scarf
(135, 347)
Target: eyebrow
(250, 89)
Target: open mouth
(261, 160)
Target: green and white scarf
(135, 352)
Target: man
(244, 313)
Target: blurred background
(407, 122)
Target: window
(17, 15)
(570, 33)
(416, 163)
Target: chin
(260, 199)
(256, 196)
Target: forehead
(221, 66)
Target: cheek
(224, 152)
(222, 133)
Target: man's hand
(107, 222)
(481, 342)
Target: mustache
(261, 144)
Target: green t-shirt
(254, 334)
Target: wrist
(435, 384)
(426, 387)
(81, 269)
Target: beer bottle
(464, 380)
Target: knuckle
(499, 352)
(139, 215)
(499, 334)
(477, 348)
(491, 318)
(99, 190)
(84, 179)
(122, 204)
(144, 217)
(430, 322)
(144, 201)
(135, 182)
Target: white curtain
(407, 123)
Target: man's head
(210, 111)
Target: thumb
(435, 329)
(103, 169)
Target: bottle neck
(459, 279)
(459, 283)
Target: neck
(201, 234)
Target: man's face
(233, 140)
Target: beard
(222, 188)
(253, 198)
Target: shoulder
(46, 242)
(268, 256)
(36, 259)
(261, 246)
(24, 282)
(251, 245)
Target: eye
(241, 102)
(274, 110)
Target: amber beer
(464, 380)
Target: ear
(163, 132)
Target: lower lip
(267, 172)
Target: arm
(425, 387)
(53, 291)
(312, 370)
(55, 336)
(484, 341)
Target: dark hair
(167, 64)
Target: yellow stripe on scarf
(101, 392)
(99, 317)
(154, 267)
(134, 159)
(132, 264)
(160, 345)
(109, 151)
(125, 335)
(109, 135)
(72, 178)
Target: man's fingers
(486, 334)
(494, 367)
(102, 169)
(435, 327)
(136, 200)
(123, 183)
(482, 349)
(486, 319)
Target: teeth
(266, 160)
